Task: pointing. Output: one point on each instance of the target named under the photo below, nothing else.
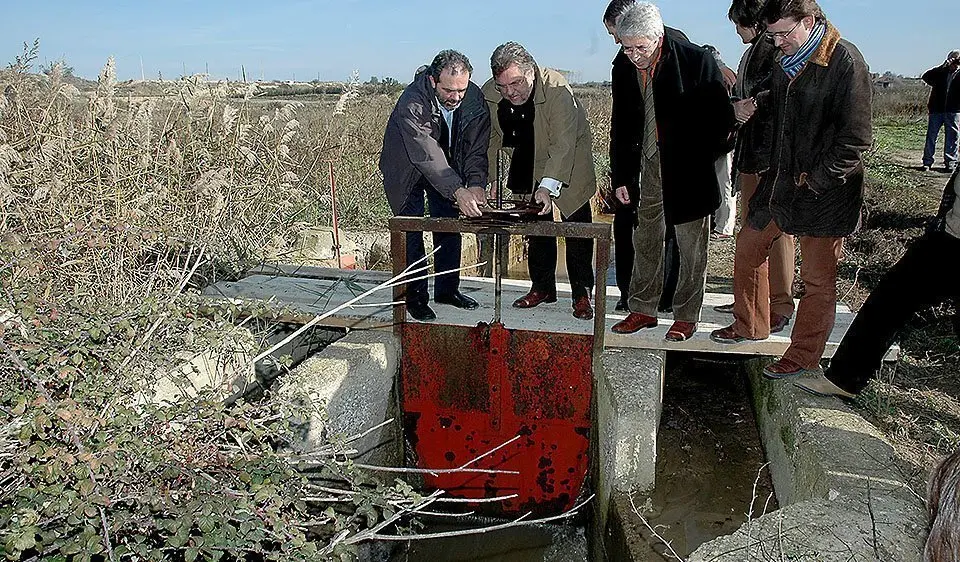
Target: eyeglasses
(641, 50)
(771, 35)
(512, 86)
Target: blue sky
(304, 39)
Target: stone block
(349, 386)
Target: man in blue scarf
(811, 179)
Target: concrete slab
(843, 492)
(349, 388)
(311, 291)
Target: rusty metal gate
(524, 395)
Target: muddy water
(709, 456)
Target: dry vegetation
(113, 208)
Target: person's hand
(542, 197)
(468, 202)
(492, 190)
(744, 109)
(729, 77)
(480, 194)
(623, 195)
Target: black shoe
(421, 311)
(458, 300)
(621, 306)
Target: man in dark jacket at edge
(752, 92)
(625, 216)
(436, 145)
(944, 111)
(924, 277)
(671, 93)
(813, 185)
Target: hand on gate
(542, 197)
(468, 202)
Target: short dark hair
(456, 61)
(746, 13)
(777, 10)
(614, 9)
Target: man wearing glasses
(812, 179)
(670, 123)
(535, 114)
(435, 146)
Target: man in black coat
(944, 109)
(671, 122)
(435, 145)
(625, 216)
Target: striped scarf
(794, 63)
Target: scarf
(794, 63)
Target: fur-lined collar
(828, 45)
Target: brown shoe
(533, 298)
(633, 323)
(778, 322)
(784, 368)
(681, 331)
(727, 335)
(582, 308)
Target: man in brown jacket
(534, 112)
(812, 186)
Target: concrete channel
(841, 490)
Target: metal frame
(596, 231)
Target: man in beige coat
(533, 112)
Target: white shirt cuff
(551, 185)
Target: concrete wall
(629, 388)
(842, 490)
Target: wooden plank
(315, 295)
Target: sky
(330, 39)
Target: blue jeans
(950, 122)
(446, 258)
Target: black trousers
(624, 222)
(923, 277)
(542, 259)
(446, 258)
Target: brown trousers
(818, 305)
(782, 254)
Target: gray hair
(511, 53)
(643, 19)
(456, 61)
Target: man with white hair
(944, 109)
(670, 123)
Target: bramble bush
(112, 212)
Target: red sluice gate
(467, 391)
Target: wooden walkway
(305, 292)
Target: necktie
(650, 119)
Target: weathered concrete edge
(842, 490)
(350, 385)
(629, 396)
